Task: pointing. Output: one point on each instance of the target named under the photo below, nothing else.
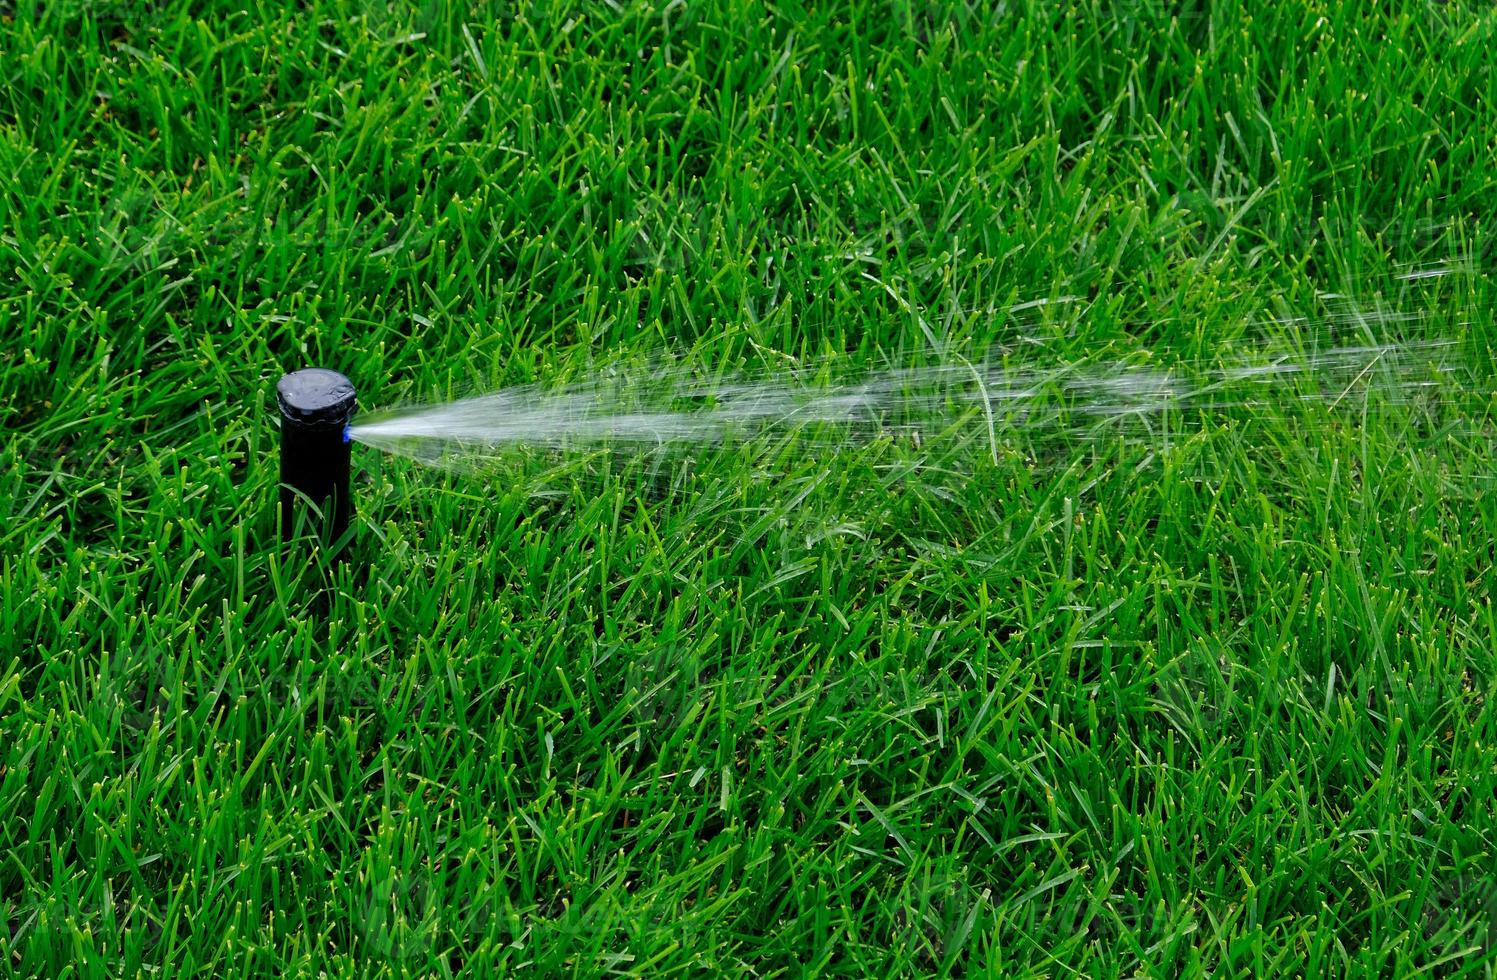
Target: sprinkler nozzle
(316, 408)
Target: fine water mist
(663, 403)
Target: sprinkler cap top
(316, 396)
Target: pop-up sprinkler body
(316, 408)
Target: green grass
(1218, 703)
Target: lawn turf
(1208, 701)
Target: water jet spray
(316, 407)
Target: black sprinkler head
(316, 408)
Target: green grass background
(1214, 703)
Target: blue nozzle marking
(347, 434)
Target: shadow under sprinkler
(316, 407)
